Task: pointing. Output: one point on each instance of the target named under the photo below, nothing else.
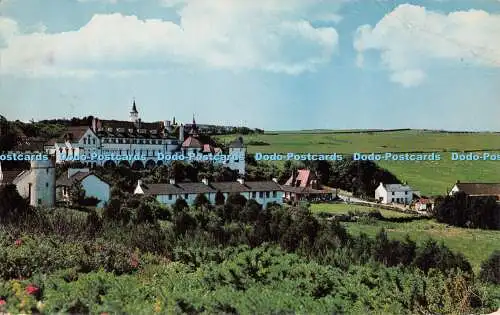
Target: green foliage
(490, 269)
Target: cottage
(93, 185)
(264, 192)
(304, 185)
(394, 193)
(477, 189)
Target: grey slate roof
(200, 188)
(77, 177)
(397, 187)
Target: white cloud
(412, 39)
(227, 34)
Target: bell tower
(134, 114)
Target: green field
(475, 244)
(429, 177)
(341, 208)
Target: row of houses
(403, 194)
(40, 187)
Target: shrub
(490, 268)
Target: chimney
(241, 181)
(139, 182)
(458, 182)
(172, 181)
(205, 181)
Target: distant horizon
(282, 65)
(313, 130)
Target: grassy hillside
(475, 244)
(430, 177)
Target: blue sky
(272, 64)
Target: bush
(490, 268)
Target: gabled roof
(304, 176)
(9, 176)
(63, 180)
(192, 142)
(487, 189)
(207, 148)
(73, 133)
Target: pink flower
(31, 289)
(2, 302)
(18, 242)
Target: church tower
(134, 114)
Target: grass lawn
(475, 244)
(341, 208)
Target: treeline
(468, 211)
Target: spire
(194, 121)
(134, 107)
(173, 122)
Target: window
(406, 192)
(47, 185)
(84, 141)
(39, 201)
(268, 194)
(169, 197)
(393, 193)
(254, 194)
(186, 196)
(261, 194)
(93, 141)
(275, 194)
(392, 199)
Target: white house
(264, 192)
(395, 193)
(93, 185)
(37, 184)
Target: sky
(270, 64)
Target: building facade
(37, 184)
(93, 186)
(138, 144)
(394, 193)
(264, 192)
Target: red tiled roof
(304, 177)
(207, 148)
(192, 142)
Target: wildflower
(2, 302)
(31, 289)
(18, 242)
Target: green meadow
(429, 177)
(475, 244)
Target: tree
(201, 201)
(180, 205)
(12, 205)
(219, 198)
(490, 268)
(76, 193)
